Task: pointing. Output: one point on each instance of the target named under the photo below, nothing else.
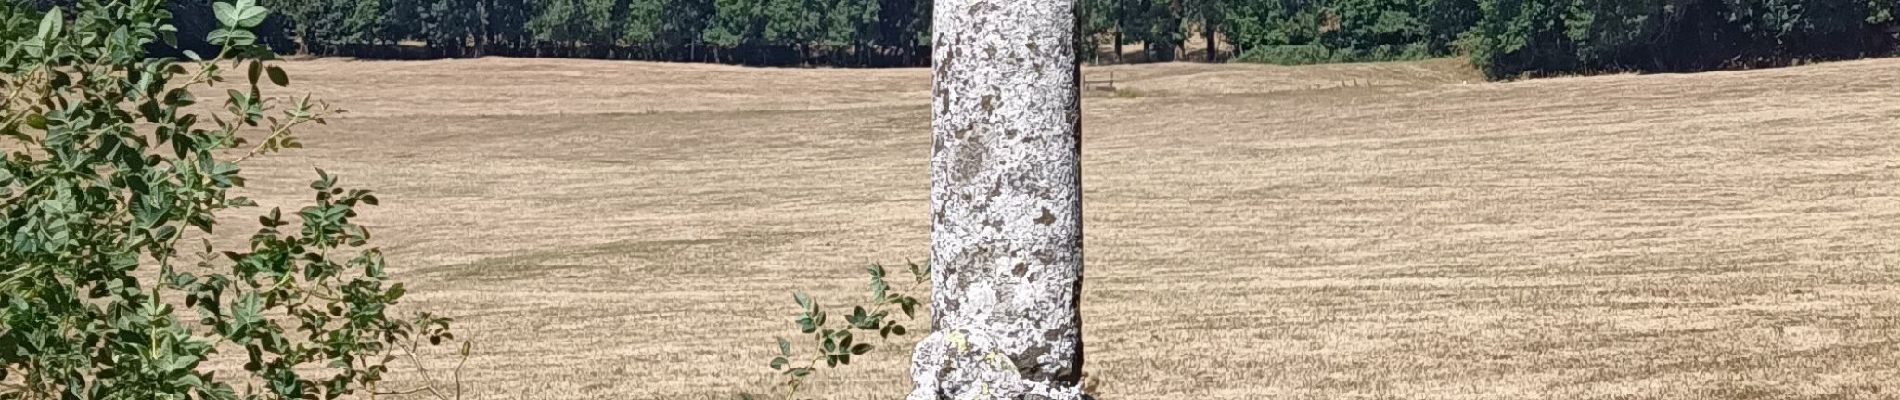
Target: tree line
(774, 32)
(1504, 38)
(1523, 37)
(1510, 38)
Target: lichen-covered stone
(962, 364)
(1006, 196)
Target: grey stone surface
(1006, 203)
(961, 364)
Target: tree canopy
(1505, 38)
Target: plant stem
(798, 381)
(281, 131)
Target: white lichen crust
(967, 365)
(1006, 235)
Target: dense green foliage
(108, 167)
(843, 32)
(1504, 37)
(1516, 37)
(1508, 38)
(1350, 29)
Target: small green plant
(835, 346)
(108, 164)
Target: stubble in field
(609, 230)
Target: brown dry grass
(609, 230)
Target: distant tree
(1160, 28)
(575, 23)
(1516, 36)
(1363, 24)
(681, 23)
(904, 24)
(505, 23)
(402, 20)
(306, 17)
(795, 23)
(1125, 18)
(735, 23)
(1210, 14)
(1101, 21)
(642, 20)
(450, 25)
(363, 21)
(1444, 21)
(852, 23)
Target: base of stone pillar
(962, 364)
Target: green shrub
(110, 170)
(834, 345)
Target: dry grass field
(620, 230)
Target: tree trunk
(1006, 201)
(1207, 34)
(482, 38)
(303, 41)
